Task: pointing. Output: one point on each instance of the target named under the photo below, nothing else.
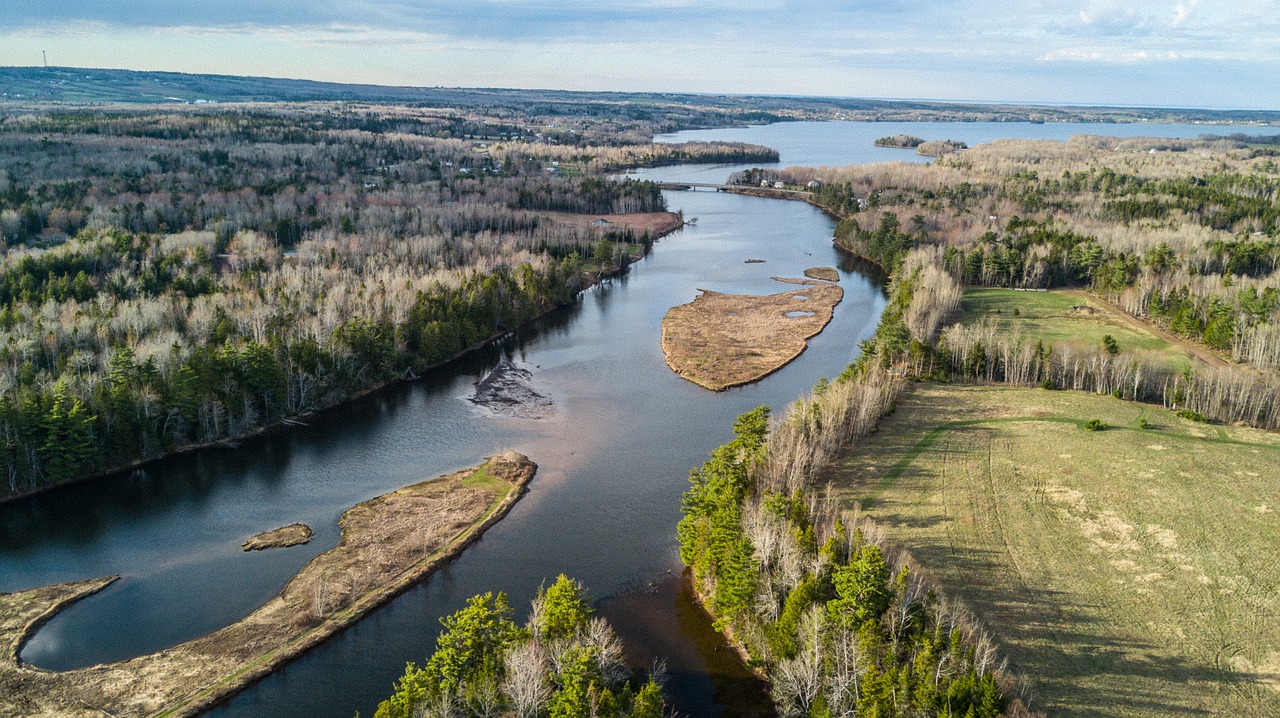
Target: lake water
(613, 460)
(813, 144)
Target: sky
(1165, 53)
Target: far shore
(388, 544)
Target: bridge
(740, 188)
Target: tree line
(842, 625)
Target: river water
(613, 460)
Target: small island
(825, 274)
(719, 341)
(928, 148)
(283, 537)
(905, 142)
(388, 544)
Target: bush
(1193, 416)
(1049, 384)
(1143, 423)
(1094, 425)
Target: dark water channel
(613, 460)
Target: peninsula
(388, 544)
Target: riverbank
(719, 341)
(388, 544)
(656, 224)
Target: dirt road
(1194, 350)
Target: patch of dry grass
(826, 274)
(1127, 572)
(656, 224)
(388, 543)
(283, 537)
(725, 340)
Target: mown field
(1056, 318)
(1127, 572)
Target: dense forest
(173, 278)
(564, 663)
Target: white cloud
(1080, 49)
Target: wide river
(614, 460)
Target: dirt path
(1196, 351)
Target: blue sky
(1185, 53)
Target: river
(613, 460)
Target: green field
(1126, 572)
(1055, 318)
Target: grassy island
(388, 544)
(283, 537)
(719, 341)
(826, 274)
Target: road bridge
(695, 186)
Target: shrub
(1193, 416)
(1095, 425)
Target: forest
(1182, 233)
(564, 663)
(178, 277)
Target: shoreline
(291, 422)
(387, 545)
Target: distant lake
(845, 143)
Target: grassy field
(1053, 317)
(1127, 572)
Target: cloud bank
(1157, 52)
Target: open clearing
(388, 543)
(1055, 318)
(719, 340)
(656, 224)
(1126, 572)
